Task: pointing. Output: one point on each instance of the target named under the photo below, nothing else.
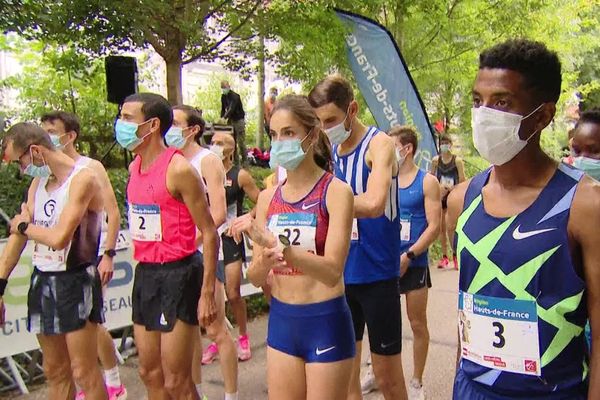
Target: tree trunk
(174, 81)
(261, 93)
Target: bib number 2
(145, 223)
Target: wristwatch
(284, 242)
(22, 227)
(411, 255)
(110, 253)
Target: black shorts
(62, 302)
(232, 251)
(378, 305)
(415, 278)
(164, 293)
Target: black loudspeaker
(121, 78)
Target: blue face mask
(174, 138)
(590, 166)
(56, 142)
(126, 134)
(288, 154)
(35, 171)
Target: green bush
(13, 191)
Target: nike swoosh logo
(163, 320)
(518, 235)
(319, 351)
(386, 345)
(308, 206)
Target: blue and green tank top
(526, 259)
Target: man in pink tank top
(172, 290)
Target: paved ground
(439, 372)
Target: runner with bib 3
(303, 249)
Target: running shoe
(210, 354)
(367, 383)
(116, 392)
(243, 348)
(455, 261)
(443, 262)
(416, 390)
(80, 395)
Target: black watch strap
(110, 253)
(22, 227)
(411, 255)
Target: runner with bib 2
(303, 249)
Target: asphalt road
(439, 372)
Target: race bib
(299, 228)
(447, 181)
(499, 333)
(354, 232)
(144, 223)
(43, 254)
(405, 229)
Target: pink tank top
(161, 226)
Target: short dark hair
(540, 67)
(25, 134)
(193, 117)
(69, 120)
(406, 134)
(333, 89)
(154, 106)
(445, 138)
(590, 116)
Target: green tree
(180, 31)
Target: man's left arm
(113, 215)
(371, 203)
(583, 223)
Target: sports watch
(110, 253)
(22, 227)
(411, 255)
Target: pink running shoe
(210, 354)
(80, 395)
(443, 262)
(116, 392)
(243, 348)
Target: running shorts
(166, 292)
(62, 302)
(415, 278)
(377, 304)
(317, 332)
(232, 251)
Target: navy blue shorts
(317, 332)
(465, 388)
(220, 271)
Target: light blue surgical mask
(444, 148)
(339, 134)
(288, 154)
(56, 141)
(225, 91)
(174, 137)
(126, 134)
(35, 171)
(590, 166)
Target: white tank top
(196, 162)
(48, 207)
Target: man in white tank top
(62, 217)
(210, 168)
(64, 129)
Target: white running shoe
(367, 383)
(416, 391)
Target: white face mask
(400, 158)
(338, 134)
(217, 149)
(496, 134)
